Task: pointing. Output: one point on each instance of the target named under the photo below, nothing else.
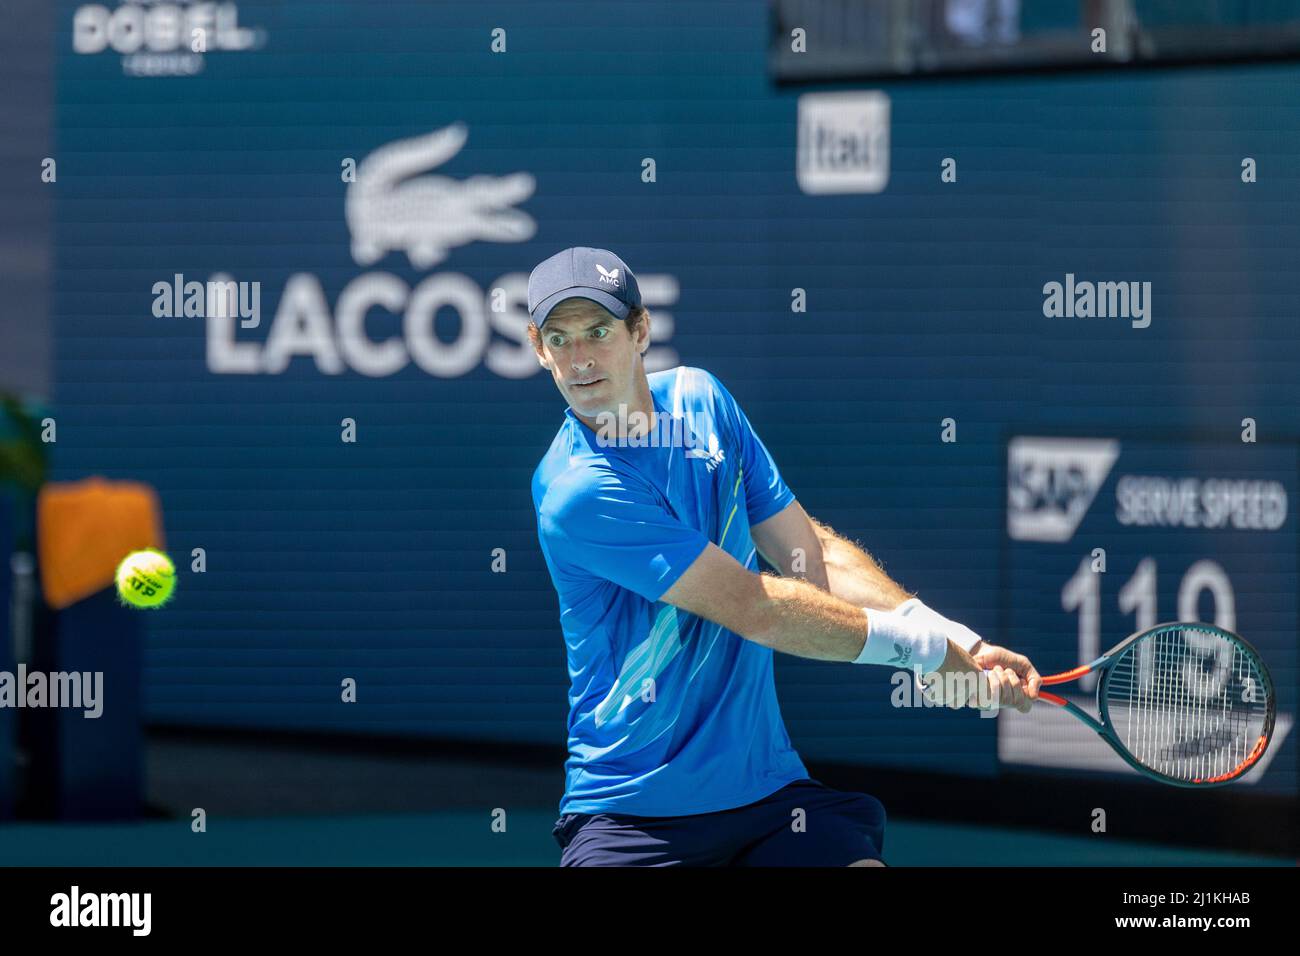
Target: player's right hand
(961, 682)
(1017, 677)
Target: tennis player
(652, 502)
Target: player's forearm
(796, 617)
(854, 576)
(789, 542)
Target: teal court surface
(465, 838)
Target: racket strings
(1189, 704)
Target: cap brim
(618, 308)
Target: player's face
(592, 357)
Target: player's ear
(643, 333)
(535, 338)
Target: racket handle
(1065, 676)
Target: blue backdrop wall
(373, 559)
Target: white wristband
(959, 634)
(898, 641)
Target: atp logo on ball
(146, 579)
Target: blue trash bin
(81, 767)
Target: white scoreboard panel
(1108, 535)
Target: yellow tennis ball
(146, 579)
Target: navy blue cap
(584, 273)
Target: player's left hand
(1011, 675)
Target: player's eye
(556, 341)
(601, 332)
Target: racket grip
(1054, 679)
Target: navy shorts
(835, 829)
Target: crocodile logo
(391, 207)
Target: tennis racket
(1185, 704)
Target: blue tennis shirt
(669, 713)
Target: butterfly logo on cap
(607, 276)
